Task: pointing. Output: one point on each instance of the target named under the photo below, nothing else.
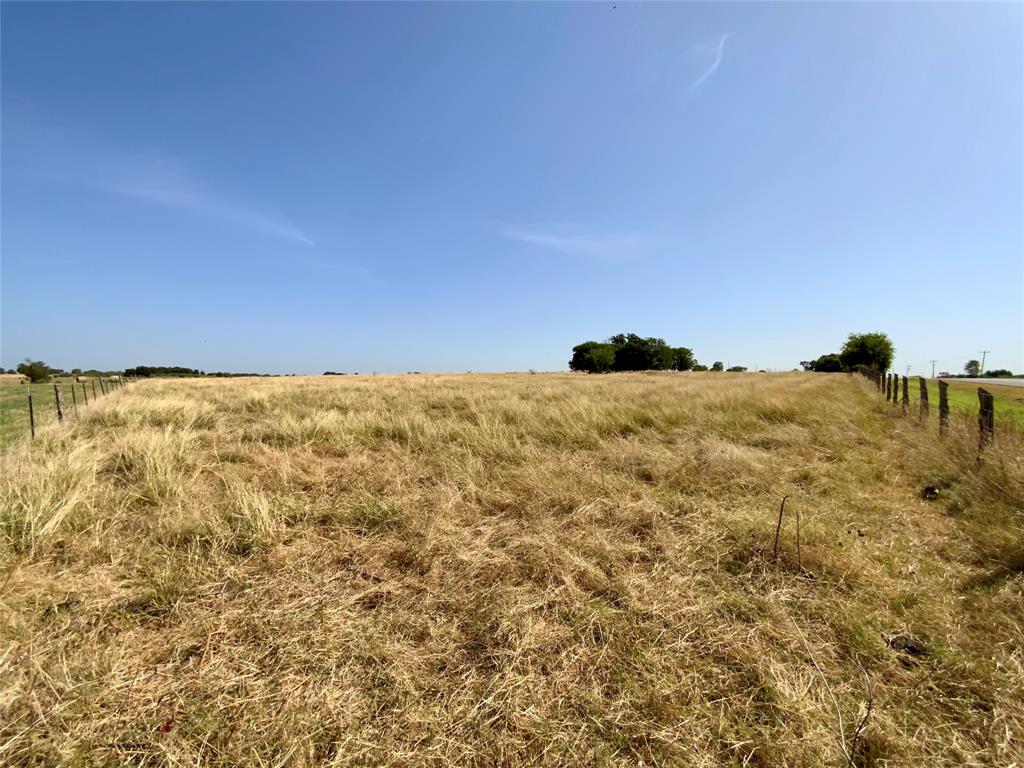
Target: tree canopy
(872, 350)
(36, 370)
(630, 352)
(146, 371)
(862, 352)
(824, 364)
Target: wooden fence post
(31, 413)
(986, 417)
(888, 387)
(103, 389)
(59, 399)
(93, 389)
(923, 414)
(906, 393)
(895, 388)
(943, 406)
(85, 393)
(74, 398)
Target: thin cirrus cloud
(64, 155)
(717, 53)
(167, 186)
(602, 247)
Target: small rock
(930, 492)
(906, 643)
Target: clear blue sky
(392, 187)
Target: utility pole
(933, 362)
(983, 353)
(908, 370)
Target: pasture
(548, 569)
(14, 416)
(963, 394)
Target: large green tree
(36, 370)
(871, 350)
(683, 359)
(593, 357)
(972, 368)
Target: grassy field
(14, 422)
(511, 570)
(1009, 401)
(963, 396)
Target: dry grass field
(510, 570)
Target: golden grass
(550, 569)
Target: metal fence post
(31, 413)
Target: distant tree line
(37, 371)
(874, 353)
(145, 371)
(630, 352)
(867, 352)
(148, 371)
(972, 369)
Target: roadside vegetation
(548, 569)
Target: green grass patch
(14, 415)
(963, 395)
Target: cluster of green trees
(861, 352)
(630, 352)
(38, 371)
(973, 370)
(147, 371)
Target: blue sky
(393, 187)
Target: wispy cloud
(605, 247)
(716, 52)
(163, 184)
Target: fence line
(106, 387)
(889, 384)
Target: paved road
(1001, 382)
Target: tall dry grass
(550, 569)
